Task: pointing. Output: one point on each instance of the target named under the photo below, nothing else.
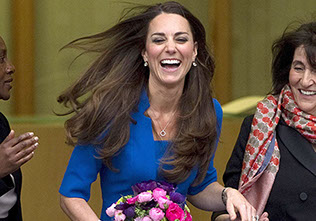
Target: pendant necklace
(163, 132)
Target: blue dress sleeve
(82, 171)
(211, 175)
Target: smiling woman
(273, 162)
(148, 114)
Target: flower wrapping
(151, 201)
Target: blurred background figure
(14, 151)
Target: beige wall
(43, 174)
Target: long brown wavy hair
(112, 86)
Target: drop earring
(194, 63)
(145, 63)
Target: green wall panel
(255, 25)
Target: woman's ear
(195, 51)
(144, 54)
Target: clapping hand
(15, 151)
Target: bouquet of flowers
(152, 201)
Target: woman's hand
(15, 151)
(210, 199)
(236, 202)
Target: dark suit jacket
(6, 182)
(293, 195)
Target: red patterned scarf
(262, 155)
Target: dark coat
(293, 194)
(6, 182)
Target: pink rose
(174, 212)
(119, 215)
(158, 192)
(132, 200)
(111, 210)
(147, 218)
(164, 202)
(189, 217)
(156, 214)
(144, 197)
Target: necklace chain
(163, 132)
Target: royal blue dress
(138, 161)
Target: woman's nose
(10, 69)
(308, 78)
(170, 47)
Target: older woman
(14, 151)
(148, 114)
(274, 159)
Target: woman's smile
(307, 92)
(170, 65)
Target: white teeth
(170, 62)
(308, 92)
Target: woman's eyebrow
(181, 33)
(176, 34)
(298, 62)
(158, 33)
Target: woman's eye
(182, 40)
(2, 59)
(158, 40)
(298, 69)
